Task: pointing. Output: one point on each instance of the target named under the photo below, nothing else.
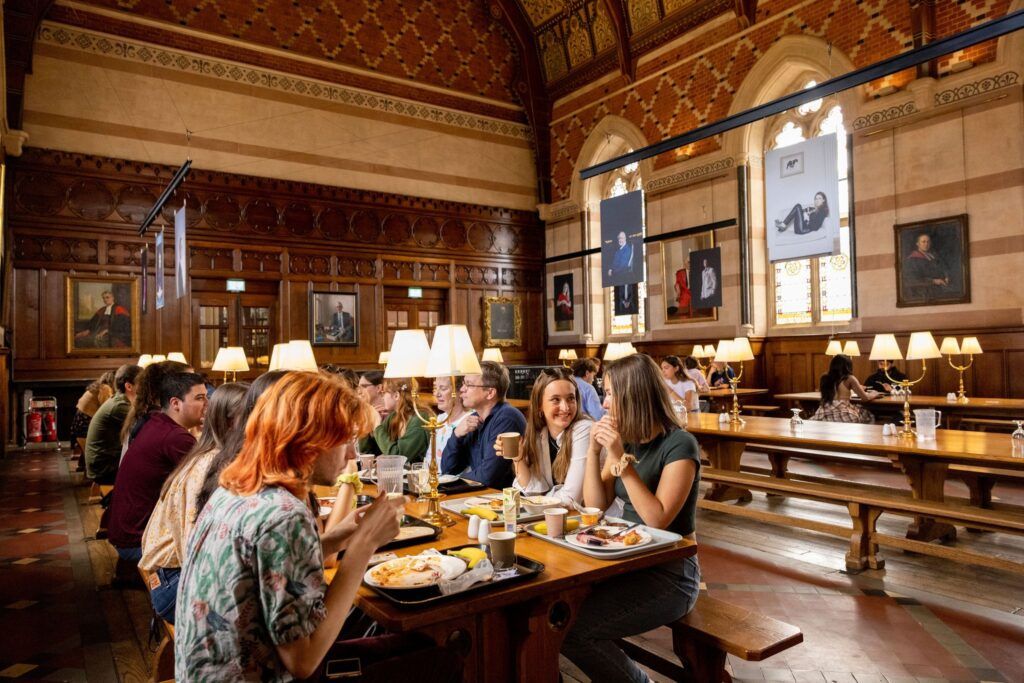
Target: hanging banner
(144, 260)
(180, 254)
(802, 199)
(706, 266)
(159, 274)
(622, 239)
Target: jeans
(626, 606)
(165, 596)
(133, 555)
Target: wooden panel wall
(73, 213)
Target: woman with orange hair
(254, 603)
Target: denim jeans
(165, 596)
(626, 606)
(129, 554)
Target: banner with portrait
(565, 309)
(706, 266)
(180, 254)
(622, 239)
(802, 199)
(159, 274)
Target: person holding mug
(653, 465)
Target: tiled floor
(58, 626)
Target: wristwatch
(625, 461)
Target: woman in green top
(653, 465)
(401, 432)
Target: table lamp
(276, 355)
(567, 356)
(969, 347)
(144, 360)
(177, 357)
(618, 350)
(851, 349)
(735, 351)
(230, 359)
(298, 355)
(382, 359)
(452, 355)
(920, 347)
(159, 358)
(493, 354)
(834, 348)
(699, 353)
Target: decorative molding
(46, 249)
(981, 87)
(560, 211)
(689, 175)
(138, 52)
(897, 111)
(13, 142)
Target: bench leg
(163, 661)
(780, 464)
(726, 456)
(980, 487)
(863, 549)
(927, 479)
(703, 663)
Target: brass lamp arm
(961, 368)
(906, 382)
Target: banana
(570, 525)
(471, 555)
(489, 515)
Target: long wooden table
(721, 399)
(513, 633)
(925, 463)
(952, 411)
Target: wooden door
(403, 313)
(228, 319)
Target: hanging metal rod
(987, 31)
(178, 179)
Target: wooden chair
(714, 628)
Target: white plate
(448, 568)
(645, 538)
(447, 478)
(325, 510)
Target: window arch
(814, 290)
(623, 180)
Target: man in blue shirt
(472, 444)
(584, 371)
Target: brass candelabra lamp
(452, 355)
(734, 351)
(567, 356)
(699, 353)
(920, 347)
(968, 347)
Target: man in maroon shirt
(154, 453)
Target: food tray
(420, 597)
(409, 520)
(457, 486)
(660, 539)
(459, 504)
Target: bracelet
(619, 468)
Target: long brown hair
(147, 393)
(536, 424)
(404, 410)
(640, 400)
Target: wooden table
(513, 633)
(1004, 408)
(925, 463)
(721, 399)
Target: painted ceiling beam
(627, 62)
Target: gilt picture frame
(503, 321)
(101, 315)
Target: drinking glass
(796, 420)
(1018, 434)
(419, 480)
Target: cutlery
(628, 528)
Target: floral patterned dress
(252, 579)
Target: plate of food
(609, 537)
(414, 571)
(537, 504)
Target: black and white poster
(159, 274)
(801, 199)
(622, 240)
(180, 254)
(706, 287)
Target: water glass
(419, 479)
(796, 420)
(390, 473)
(1018, 434)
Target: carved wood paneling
(43, 249)
(211, 258)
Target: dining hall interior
(512, 340)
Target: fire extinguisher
(50, 427)
(34, 427)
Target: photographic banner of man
(159, 274)
(706, 281)
(622, 240)
(180, 254)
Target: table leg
(538, 631)
(927, 480)
(779, 464)
(726, 455)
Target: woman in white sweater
(553, 452)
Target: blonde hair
(536, 423)
(640, 399)
(404, 409)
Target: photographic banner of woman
(802, 199)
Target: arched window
(817, 290)
(623, 180)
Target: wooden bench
(714, 628)
(984, 424)
(865, 507)
(758, 410)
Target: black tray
(409, 520)
(420, 597)
(457, 486)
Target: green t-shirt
(412, 443)
(651, 459)
(103, 442)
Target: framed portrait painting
(682, 285)
(933, 262)
(706, 266)
(564, 307)
(503, 321)
(102, 316)
(334, 318)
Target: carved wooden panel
(333, 224)
(134, 202)
(211, 258)
(90, 199)
(309, 264)
(476, 275)
(55, 250)
(41, 194)
(123, 253)
(399, 270)
(299, 219)
(261, 261)
(435, 272)
(357, 267)
(397, 229)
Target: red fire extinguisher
(34, 427)
(50, 427)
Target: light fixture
(920, 347)
(699, 353)
(834, 348)
(492, 354)
(618, 350)
(159, 358)
(452, 355)
(382, 359)
(969, 347)
(299, 356)
(177, 357)
(734, 351)
(230, 359)
(144, 360)
(277, 355)
(567, 356)
(851, 349)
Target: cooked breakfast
(406, 572)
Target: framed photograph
(102, 316)
(791, 164)
(706, 265)
(682, 284)
(933, 262)
(564, 308)
(334, 318)
(503, 321)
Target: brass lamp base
(435, 515)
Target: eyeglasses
(477, 386)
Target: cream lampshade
(710, 351)
(698, 351)
(884, 347)
(452, 354)
(723, 352)
(741, 349)
(299, 356)
(565, 354)
(493, 354)
(382, 359)
(851, 349)
(230, 359)
(177, 356)
(159, 358)
(408, 355)
(834, 348)
(922, 346)
(949, 347)
(618, 350)
(971, 346)
(144, 360)
(277, 356)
